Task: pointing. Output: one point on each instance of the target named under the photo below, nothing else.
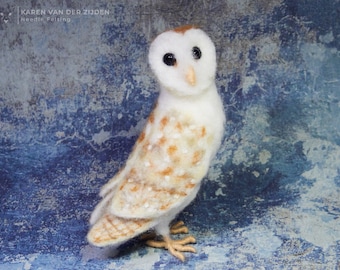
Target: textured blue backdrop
(76, 90)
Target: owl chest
(170, 158)
(175, 140)
(172, 152)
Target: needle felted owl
(172, 154)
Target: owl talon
(176, 228)
(175, 247)
(179, 228)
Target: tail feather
(113, 230)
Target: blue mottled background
(75, 90)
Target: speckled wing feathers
(112, 230)
(170, 159)
(162, 173)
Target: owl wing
(165, 169)
(113, 230)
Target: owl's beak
(190, 76)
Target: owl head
(184, 61)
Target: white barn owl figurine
(172, 154)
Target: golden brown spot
(146, 147)
(190, 185)
(182, 29)
(203, 132)
(179, 126)
(122, 186)
(134, 188)
(164, 206)
(138, 222)
(185, 176)
(172, 149)
(164, 121)
(173, 192)
(162, 141)
(132, 172)
(198, 155)
(167, 171)
(152, 117)
(141, 137)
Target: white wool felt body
(172, 154)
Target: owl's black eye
(169, 59)
(196, 53)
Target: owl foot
(178, 228)
(175, 247)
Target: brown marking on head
(182, 29)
